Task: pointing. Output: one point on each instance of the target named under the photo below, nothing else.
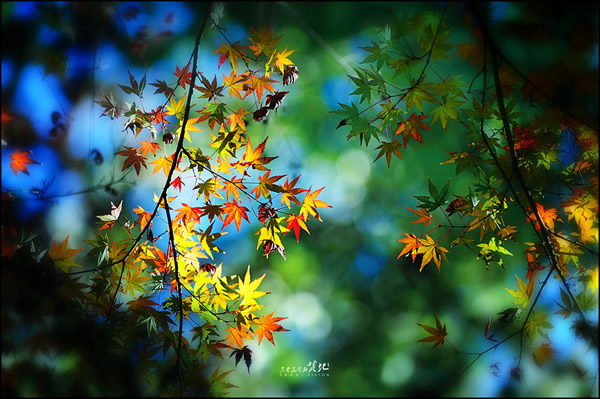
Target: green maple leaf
(535, 325)
(415, 97)
(522, 294)
(446, 111)
(362, 86)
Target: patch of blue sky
(234, 32)
(42, 96)
(131, 25)
(337, 90)
(180, 20)
(90, 132)
(25, 9)
(111, 66)
(80, 62)
(7, 72)
(47, 35)
(482, 382)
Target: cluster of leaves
(522, 172)
(159, 279)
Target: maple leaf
(411, 128)
(232, 52)
(163, 87)
(281, 59)
(415, 97)
(176, 108)
(163, 163)
(246, 353)
(232, 187)
(247, 288)
(438, 334)
(424, 216)
(235, 84)
(310, 204)
(61, 255)
(389, 149)
(113, 217)
(183, 75)
(177, 183)
(266, 326)
(587, 233)
(20, 160)
(143, 216)
(522, 294)
(236, 336)
(290, 75)
(133, 158)
(295, 222)
(431, 250)
(148, 146)
(211, 89)
(445, 111)
(259, 84)
(548, 216)
(253, 157)
(412, 244)
(211, 211)
(486, 331)
(538, 322)
(543, 353)
(274, 101)
(189, 127)
(234, 212)
(266, 185)
(188, 213)
(263, 40)
(237, 119)
(290, 192)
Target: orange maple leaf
(266, 326)
(20, 160)
(548, 216)
(237, 336)
(412, 245)
(411, 128)
(424, 216)
(235, 212)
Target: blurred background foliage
(349, 302)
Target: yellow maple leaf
(247, 289)
(522, 294)
(431, 250)
(281, 59)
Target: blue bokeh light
(41, 96)
(7, 72)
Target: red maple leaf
(20, 160)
